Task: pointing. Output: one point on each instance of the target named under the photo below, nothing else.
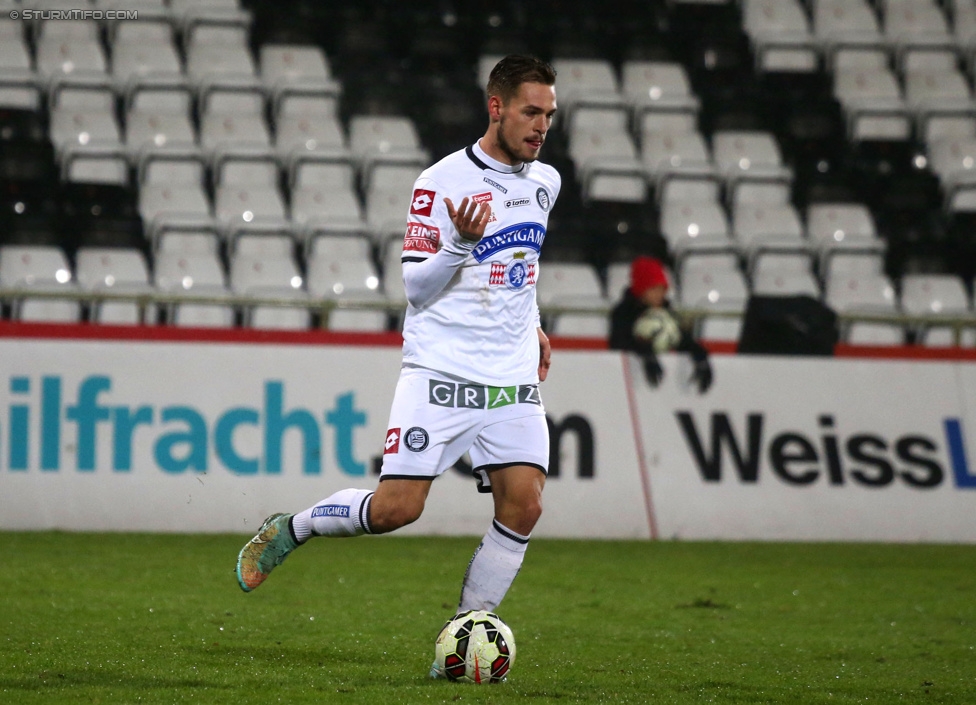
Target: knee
(390, 517)
(524, 515)
(532, 510)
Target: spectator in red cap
(643, 322)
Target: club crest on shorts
(416, 439)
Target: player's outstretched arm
(425, 280)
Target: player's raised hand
(470, 218)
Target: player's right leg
(349, 512)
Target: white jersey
(482, 326)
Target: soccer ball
(474, 647)
(659, 327)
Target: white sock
(493, 568)
(345, 513)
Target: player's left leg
(517, 492)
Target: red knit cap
(646, 272)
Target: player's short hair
(516, 69)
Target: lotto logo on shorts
(392, 444)
(480, 396)
(423, 202)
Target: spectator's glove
(652, 369)
(702, 375)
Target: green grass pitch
(130, 618)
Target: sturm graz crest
(543, 198)
(416, 439)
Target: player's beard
(507, 147)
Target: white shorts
(435, 419)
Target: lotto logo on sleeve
(392, 444)
(421, 238)
(423, 202)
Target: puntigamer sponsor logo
(525, 235)
(51, 426)
(827, 455)
(495, 184)
(331, 510)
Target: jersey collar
(483, 161)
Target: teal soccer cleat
(268, 549)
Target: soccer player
(473, 350)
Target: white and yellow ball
(475, 647)
(658, 327)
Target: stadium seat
(342, 267)
(746, 158)
(26, 265)
(938, 94)
(172, 185)
(840, 222)
(873, 104)
(865, 294)
(783, 274)
(689, 225)
(586, 82)
(953, 160)
(41, 269)
(83, 112)
(203, 315)
(846, 27)
(158, 114)
(66, 48)
(721, 290)
(938, 295)
(246, 190)
(116, 270)
(323, 195)
(250, 273)
(572, 285)
(143, 48)
(916, 27)
(661, 89)
(380, 137)
(181, 271)
(603, 151)
(283, 317)
(218, 50)
(680, 167)
(309, 124)
(760, 227)
(232, 115)
(387, 204)
(94, 164)
(780, 35)
(288, 63)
